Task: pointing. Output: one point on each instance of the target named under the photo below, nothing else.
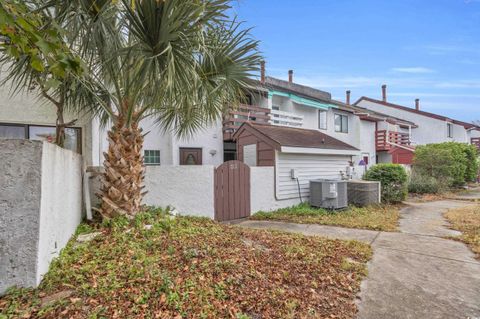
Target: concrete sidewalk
(415, 273)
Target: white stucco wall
(430, 130)
(366, 146)
(61, 202)
(262, 191)
(310, 119)
(209, 139)
(190, 189)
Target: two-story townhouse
(429, 128)
(285, 103)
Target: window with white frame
(449, 130)
(341, 123)
(152, 157)
(322, 119)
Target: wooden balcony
(243, 113)
(476, 141)
(386, 140)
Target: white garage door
(308, 167)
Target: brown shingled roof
(296, 137)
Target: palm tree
(181, 62)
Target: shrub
(421, 184)
(449, 163)
(393, 179)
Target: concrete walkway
(415, 273)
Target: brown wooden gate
(232, 191)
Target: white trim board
(308, 150)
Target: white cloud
(413, 70)
(462, 84)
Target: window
(47, 133)
(73, 139)
(341, 123)
(12, 131)
(449, 130)
(322, 120)
(152, 157)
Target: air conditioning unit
(329, 194)
(363, 193)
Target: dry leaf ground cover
(381, 217)
(467, 221)
(195, 268)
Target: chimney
(348, 97)
(417, 104)
(262, 71)
(290, 76)
(384, 93)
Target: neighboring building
(429, 127)
(285, 103)
(27, 116)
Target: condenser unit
(329, 194)
(363, 193)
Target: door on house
(190, 156)
(232, 191)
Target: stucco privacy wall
(187, 188)
(61, 202)
(40, 208)
(20, 191)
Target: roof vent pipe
(384, 93)
(348, 97)
(262, 71)
(417, 104)
(290, 76)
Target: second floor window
(152, 157)
(322, 120)
(449, 130)
(341, 123)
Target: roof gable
(278, 136)
(419, 112)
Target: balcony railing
(244, 113)
(286, 118)
(386, 140)
(476, 142)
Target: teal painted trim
(301, 100)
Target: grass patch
(467, 221)
(381, 217)
(194, 268)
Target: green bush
(393, 178)
(421, 184)
(449, 163)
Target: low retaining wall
(40, 208)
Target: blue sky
(427, 49)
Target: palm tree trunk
(122, 190)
